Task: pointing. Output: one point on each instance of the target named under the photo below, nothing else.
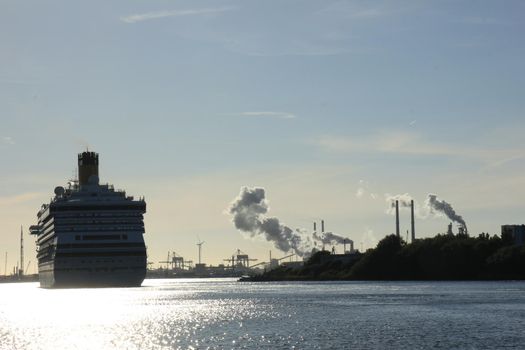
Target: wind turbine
(199, 244)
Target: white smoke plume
(433, 206)
(248, 215)
(363, 190)
(404, 202)
(330, 238)
(249, 211)
(436, 205)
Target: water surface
(222, 313)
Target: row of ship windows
(58, 262)
(84, 245)
(94, 226)
(98, 254)
(98, 228)
(101, 269)
(112, 214)
(90, 208)
(91, 215)
(99, 215)
(99, 221)
(100, 237)
(97, 260)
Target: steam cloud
(330, 238)
(437, 205)
(404, 202)
(248, 212)
(433, 205)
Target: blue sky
(187, 101)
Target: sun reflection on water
(218, 314)
(150, 317)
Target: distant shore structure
(412, 220)
(90, 235)
(515, 232)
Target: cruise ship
(90, 235)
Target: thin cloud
(505, 161)
(385, 142)
(8, 140)
(268, 114)
(20, 198)
(406, 143)
(176, 13)
(363, 191)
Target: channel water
(225, 314)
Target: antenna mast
(21, 271)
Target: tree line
(443, 257)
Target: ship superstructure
(90, 234)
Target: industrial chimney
(412, 221)
(397, 218)
(315, 227)
(87, 166)
(322, 226)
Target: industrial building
(517, 232)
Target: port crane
(240, 259)
(176, 261)
(167, 262)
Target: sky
(330, 106)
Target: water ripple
(224, 314)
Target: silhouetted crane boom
(285, 257)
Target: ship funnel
(87, 167)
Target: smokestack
(413, 226)
(315, 226)
(397, 218)
(87, 166)
(322, 225)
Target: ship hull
(109, 275)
